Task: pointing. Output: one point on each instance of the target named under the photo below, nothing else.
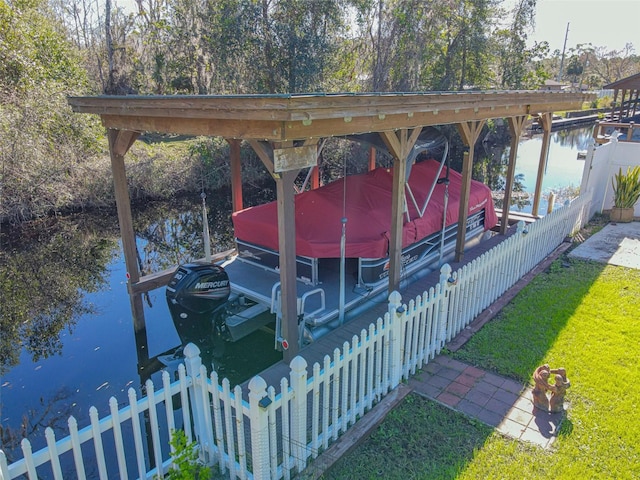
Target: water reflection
(575, 138)
(51, 411)
(68, 339)
(46, 266)
(168, 235)
(563, 172)
(491, 169)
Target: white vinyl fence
(264, 433)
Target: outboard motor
(197, 296)
(198, 288)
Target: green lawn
(580, 315)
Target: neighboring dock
(563, 123)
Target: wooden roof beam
(297, 117)
(264, 150)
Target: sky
(603, 23)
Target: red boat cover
(367, 207)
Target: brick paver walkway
(494, 400)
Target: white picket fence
(264, 434)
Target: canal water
(81, 349)
(563, 172)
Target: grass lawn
(579, 315)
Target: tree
(575, 68)
(303, 36)
(41, 284)
(41, 140)
(35, 49)
(463, 60)
(609, 66)
(513, 55)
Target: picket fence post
(193, 362)
(4, 466)
(395, 316)
(445, 274)
(522, 250)
(259, 402)
(298, 376)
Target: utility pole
(566, 35)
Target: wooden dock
(562, 123)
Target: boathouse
(272, 123)
(257, 431)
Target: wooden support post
(399, 147)
(315, 172)
(552, 202)
(119, 143)
(545, 120)
(516, 125)
(469, 131)
(140, 334)
(372, 158)
(397, 217)
(236, 174)
(287, 248)
(285, 202)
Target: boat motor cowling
(198, 288)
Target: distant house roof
(553, 83)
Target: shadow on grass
(566, 429)
(422, 439)
(518, 340)
(436, 443)
(576, 314)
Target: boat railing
(277, 311)
(436, 180)
(275, 298)
(303, 300)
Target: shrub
(185, 460)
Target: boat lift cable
(445, 180)
(343, 242)
(205, 227)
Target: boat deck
(321, 302)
